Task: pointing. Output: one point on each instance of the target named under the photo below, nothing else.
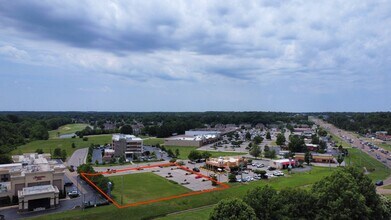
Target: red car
(197, 177)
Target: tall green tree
(296, 144)
(194, 155)
(262, 200)
(304, 208)
(338, 197)
(232, 209)
(126, 129)
(280, 139)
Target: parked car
(260, 165)
(278, 173)
(379, 183)
(73, 194)
(68, 184)
(271, 168)
(249, 178)
(195, 169)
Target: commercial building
(316, 158)
(225, 163)
(282, 163)
(312, 147)
(195, 138)
(127, 145)
(34, 179)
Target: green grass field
(144, 186)
(185, 150)
(66, 129)
(202, 213)
(161, 209)
(63, 143)
(360, 159)
(153, 141)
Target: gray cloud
(181, 40)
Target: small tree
(122, 159)
(177, 152)
(170, 153)
(268, 136)
(258, 139)
(232, 209)
(57, 153)
(248, 136)
(214, 183)
(255, 151)
(231, 178)
(96, 162)
(73, 145)
(340, 159)
(307, 157)
(194, 155)
(39, 151)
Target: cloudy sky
(195, 55)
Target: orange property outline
(223, 185)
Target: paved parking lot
(178, 175)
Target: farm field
(185, 150)
(64, 143)
(161, 209)
(144, 186)
(66, 129)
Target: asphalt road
(78, 157)
(355, 141)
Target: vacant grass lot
(161, 209)
(144, 186)
(202, 213)
(153, 141)
(185, 150)
(63, 143)
(360, 160)
(66, 129)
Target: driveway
(78, 157)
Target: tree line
(346, 194)
(362, 123)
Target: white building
(34, 179)
(127, 145)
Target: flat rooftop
(31, 163)
(127, 137)
(34, 190)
